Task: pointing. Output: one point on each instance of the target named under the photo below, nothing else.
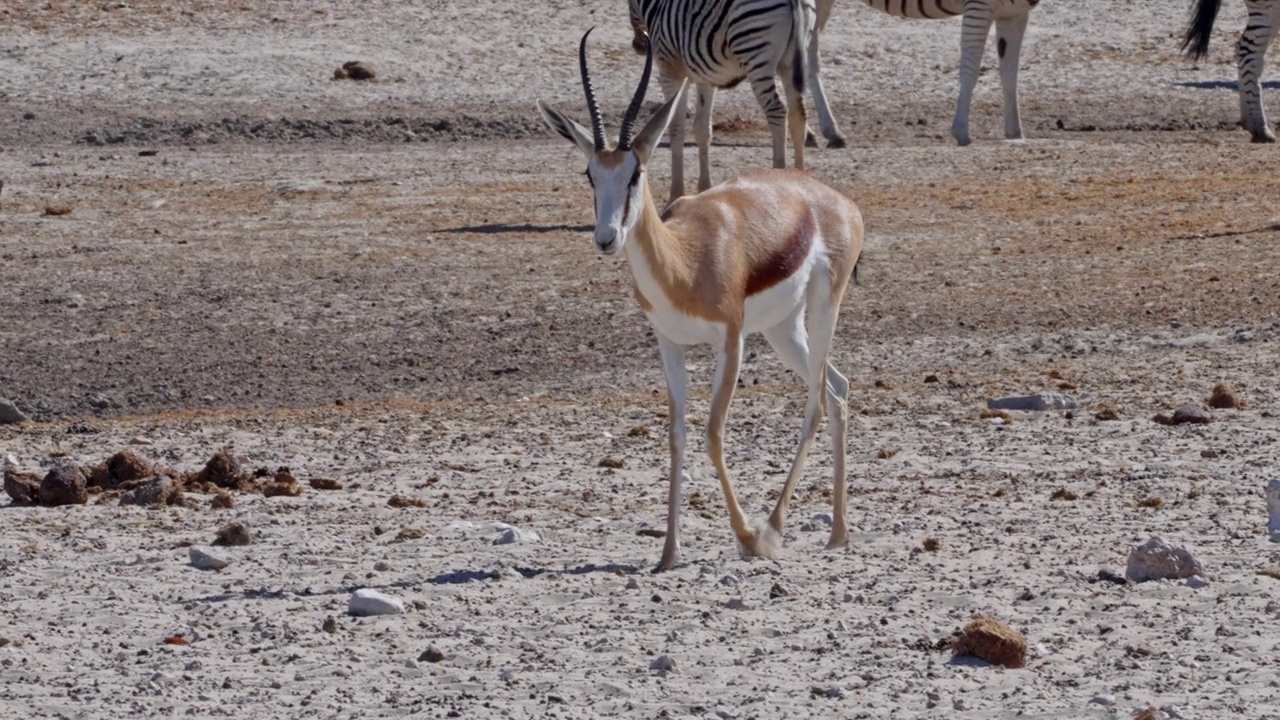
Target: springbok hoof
(837, 142)
(762, 542)
(838, 541)
(810, 139)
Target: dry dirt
(390, 284)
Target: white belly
(761, 312)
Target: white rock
(663, 664)
(372, 602)
(510, 535)
(1102, 699)
(209, 558)
(1273, 509)
(824, 519)
(1157, 559)
(1195, 581)
(1033, 403)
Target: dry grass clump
(932, 544)
(1224, 398)
(404, 501)
(1064, 494)
(993, 641)
(885, 453)
(988, 413)
(1153, 501)
(57, 209)
(320, 483)
(1107, 413)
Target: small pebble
(382, 566)
(633, 584)
(736, 603)
(330, 625)
(431, 654)
(1196, 582)
(1103, 699)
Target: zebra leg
(702, 133)
(1251, 55)
(835, 138)
(795, 120)
(670, 86)
(978, 15)
(775, 112)
(1009, 32)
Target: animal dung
(355, 70)
(991, 640)
(1224, 398)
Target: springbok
(772, 252)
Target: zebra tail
(799, 42)
(1195, 43)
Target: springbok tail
(1195, 43)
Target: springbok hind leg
(792, 343)
(838, 425)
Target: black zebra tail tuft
(1195, 43)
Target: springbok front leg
(1009, 32)
(728, 361)
(677, 408)
(973, 41)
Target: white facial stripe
(617, 200)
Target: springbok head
(616, 173)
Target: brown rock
(223, 500)
(325, 484)
(64, 485)
(1107, 413)
(993, 641)
(23, 488)
(57, 209)
(124, 469)
(224, 471)
(283, 484)
(1224, 398)
(236, 533)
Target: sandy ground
(390, 284)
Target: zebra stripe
(1251, 56)
(717, 44)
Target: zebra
(1251, 55)
(1010, 18)
(830, 129)
(718, 44)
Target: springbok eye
(635, 178)
(588, 174)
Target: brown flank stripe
(783, 263)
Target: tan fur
(711, 243)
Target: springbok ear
(647, 139)
(567, 128)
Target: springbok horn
(624, 139)
(597, 121)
